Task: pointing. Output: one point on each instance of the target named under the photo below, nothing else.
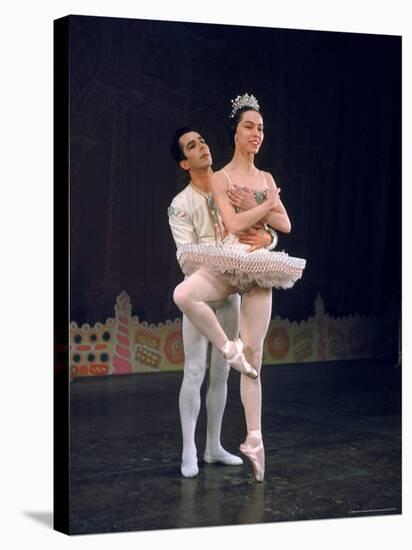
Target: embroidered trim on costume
(177, 213)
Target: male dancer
(193, 219)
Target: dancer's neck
(200, 179)
(242, 161)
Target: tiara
(244, 100)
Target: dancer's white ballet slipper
(222, 457)
(189, 468)
(255, 453)
(238, 361)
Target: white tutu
(243, 268)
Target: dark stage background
(332, 111)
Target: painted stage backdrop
(124, 345)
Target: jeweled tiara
(244, 100)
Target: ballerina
(217, 271)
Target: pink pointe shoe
(238, 361)
(256, 455)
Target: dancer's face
(196, 151)
(249, 132)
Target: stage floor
(332, 435)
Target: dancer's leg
(228, 316)
(195, 349)
(254, 322)
(192, 297)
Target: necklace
(213, 213)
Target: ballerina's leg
(254, 322)
(192, 297)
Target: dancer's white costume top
(202, 240)
(193, 220)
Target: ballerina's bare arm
(236, 222)
(277, 217)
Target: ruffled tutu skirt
(241, 267)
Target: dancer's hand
(241, 196)
(272, 197)
(256, 237)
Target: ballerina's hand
(256, 237)
(241, 197)
(272, 197)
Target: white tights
(192, 297)
(195, 348)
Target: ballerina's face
(249, 132)
(196, 151)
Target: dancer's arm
(236, 222)
(277, 217)
(260, 235)
(182, 228)
(256, 237)
(244, 198)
